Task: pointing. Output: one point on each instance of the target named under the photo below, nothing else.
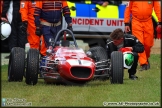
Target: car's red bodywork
(65, 63)
(71, 64)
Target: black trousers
(133, 69)
(16, 38)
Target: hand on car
(130, 48)
(126, 49)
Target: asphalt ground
(156, 49)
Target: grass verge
(95, 93)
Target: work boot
(148, 65)
(143, 67)
(133, 77)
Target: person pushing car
(125, 42)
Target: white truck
(93, 23)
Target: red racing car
(65, 63)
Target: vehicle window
(111, 2)
(77, 1)
(115, 2)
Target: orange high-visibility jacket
(142, 26)
(27, 8)
(1, 6)
(142, 10)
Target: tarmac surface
(156, 49)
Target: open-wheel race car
(66, 63)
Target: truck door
(80, 15)
(106, 19)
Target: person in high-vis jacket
(1, 6)
(48, 17)
(142, 26)
(27, 8)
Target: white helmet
(5, 30)
(128, 59)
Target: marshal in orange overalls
(142, 26)
(1, 7)
(27, 8)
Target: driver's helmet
(128, 59)
(5, 29)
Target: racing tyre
(16, 65)
(99, 54)
(117, 70)
(32, 68)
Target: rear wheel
(32, 68)
(117, 70)
(99, 54)
(16, 65)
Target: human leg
(55, 30)
(149, 39)
(138, 31)
(21, 36)
(47, 34)
(12, 39)
(33, 39)
(132, 70)
(43, 47)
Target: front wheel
(32, 68)
(16, 65)
(117, 70)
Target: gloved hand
(158, 29)
(124, 49)
(23, 27)
(38, 31)
(49, 50)
(70, 28)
